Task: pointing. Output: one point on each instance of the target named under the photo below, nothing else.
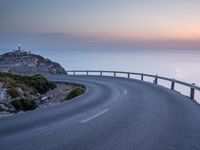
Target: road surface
(113, 114)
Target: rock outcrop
(26, 63)
(4, 97)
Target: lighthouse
(20, 51)
(19, 47)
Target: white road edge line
(94, 116)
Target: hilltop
(25, 63)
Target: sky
(75, 24)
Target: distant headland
(23, 62)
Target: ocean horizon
(178, 64)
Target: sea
(180, 64)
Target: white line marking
(49, 133)
(114, 99)
(125, 91)
(94, 116)
(117, 97)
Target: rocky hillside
(22, 92)
(26, 63)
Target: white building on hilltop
(20, 51)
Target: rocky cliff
(26, 63)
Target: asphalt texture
(113, 114)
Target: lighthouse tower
(20, 51)
(19, 47)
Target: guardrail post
(100, 73)
(156, 79)
(114, 74)
(172, 85)
(128, 75)
(74, 72)
(192, 91)
(87, 72)
(142, 77)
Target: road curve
(113, 114)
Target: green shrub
(40, 83)
(35, 84)
(24, 104)
(75, 92)
(12, 91)
(29, 104)
(17, 105)
(52, 85)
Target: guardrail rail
(192, 86)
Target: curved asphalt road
(114, 114)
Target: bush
(17, 105)
(28, 104)
(40, 83)
(75, 92)
(35, 84)
(12, 91)
(24, 104)
(52, 85)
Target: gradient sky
(100, 23)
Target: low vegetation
(34, 84)
(12, 91)
(24, 91)
(41, 84)
(24, 104)
(21, 89)
(75, 92)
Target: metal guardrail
(192, 86)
